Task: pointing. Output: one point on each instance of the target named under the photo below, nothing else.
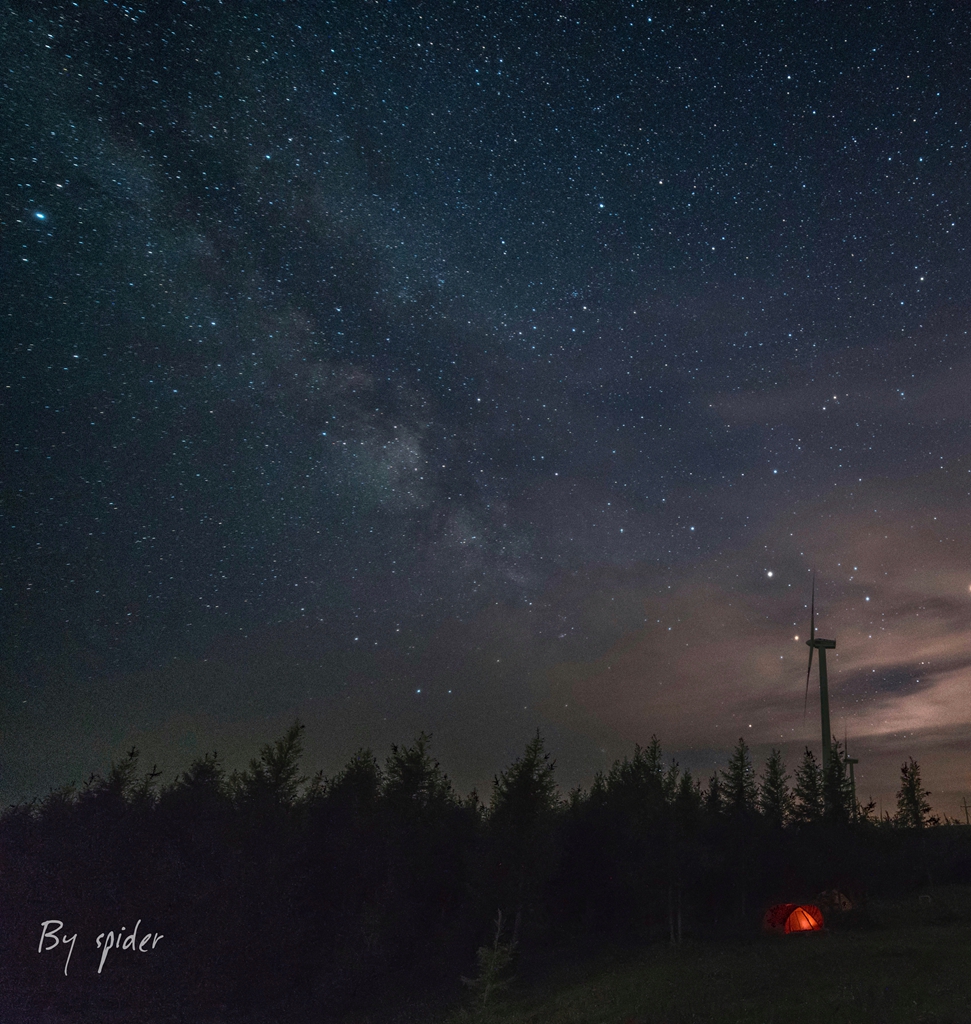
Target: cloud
(716, 656)
(847, 392)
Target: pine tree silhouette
(775, 799)
(913, 809)
(837, 791)
(738, 782)
(808, 789)
(524, 802)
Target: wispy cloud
(718, 657)
(846, 392)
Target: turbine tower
(852, 761)
(817, 644)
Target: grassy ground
(908, 963)
(912, 963)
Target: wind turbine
(822, 646)
(852, 761)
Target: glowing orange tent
(785, 918)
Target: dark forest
(320, 897)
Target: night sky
(479, 367)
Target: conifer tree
(635, 786)
(413, 779)
(837, 791)
(527, 786)
(524, 801)
(120, 780)
(274, 777)
(714, 800)
(598, 790)
(198, 807)
(687, 799)
(474, 807)
(738, 781)
(775, 799)
(358, 786)
(642, 774)
(420, 815)
(205, 773)
(653, 760)
(808, 789)
(913, 809)
(670, 782)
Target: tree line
(275, 888)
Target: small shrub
(493, 961)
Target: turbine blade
(812, 613)
(812, 645)
(805, 703)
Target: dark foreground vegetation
(369, 895)
(908, 964)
